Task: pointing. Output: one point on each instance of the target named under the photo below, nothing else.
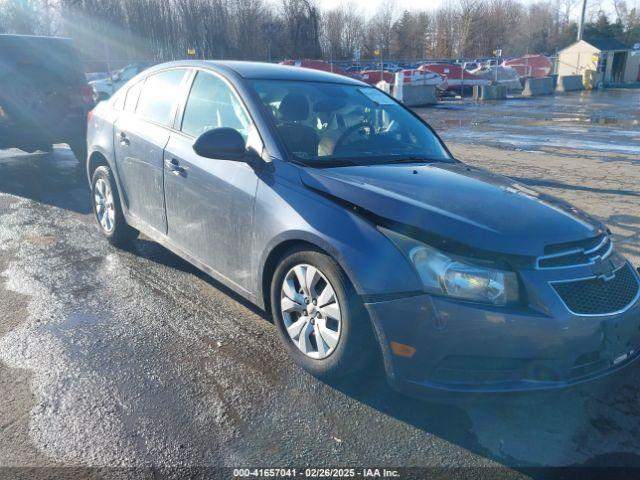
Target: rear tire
(107, 209)
(356, 345)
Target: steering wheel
(348, 132)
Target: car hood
(453, 201)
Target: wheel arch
(279, 249)
(277, 253)
(98, 158)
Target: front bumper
(462, 346)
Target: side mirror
(221, 144)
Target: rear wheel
(320, 318)
(107, 209)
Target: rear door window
(159, 96)
(118, 101)
(54, 62)
(132, 97)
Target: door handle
(175, 167)
(123, 139)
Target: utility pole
(581, 24)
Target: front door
(210, 202)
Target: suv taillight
(86, 92)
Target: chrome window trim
(592, 277)
(591, 261)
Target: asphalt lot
(134, 358)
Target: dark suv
(44, 95)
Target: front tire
(107, 209)
(320, 319)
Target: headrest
(294, 107)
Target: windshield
(326, 123)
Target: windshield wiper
(416, 159)
(333, 162)
(368, 160)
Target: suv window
(52, 61)
(159, 95)
(213, 104)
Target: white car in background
(104, 88)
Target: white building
(601, 61)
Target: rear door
(141, 134)
(210, 201)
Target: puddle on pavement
(592, 121)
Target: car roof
(263, 71)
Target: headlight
(453, 277)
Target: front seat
(301, 139)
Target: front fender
(287, 212)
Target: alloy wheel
(105, 209)
(310, 311)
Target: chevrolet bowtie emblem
(604, 269)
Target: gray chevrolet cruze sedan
(326, 202)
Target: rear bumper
(468, 347)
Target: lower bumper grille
(596, 296)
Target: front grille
(582, 253)
(596, 296)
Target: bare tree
(118, 31)
(302, 28)
(247, 26)
(444, 33)
(342, 32)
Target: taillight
(89, 116)
(86, 92)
